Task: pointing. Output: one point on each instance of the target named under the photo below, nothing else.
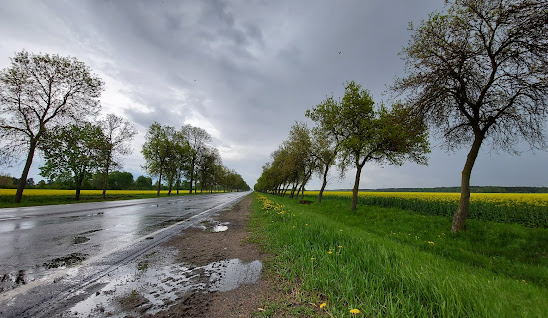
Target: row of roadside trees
(348, 133)
(49, 104)
(476, 74)
(187, 154)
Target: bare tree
(37, 93)
(477, 73)
(118, 134)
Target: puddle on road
(229, 275)
(212, 226)
(66, 261)
(219, 228)
(79, 239)
(154, 283)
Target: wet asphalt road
(53, 252)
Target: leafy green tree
(367, 135)
(143, 183)
(198, 141)
(158, 151)
(72, 150)
(325, 145)
(120, 180)
(478, 73)
(118, 135)
(181, 158)
(207, 166)
(39, 92)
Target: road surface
(51, 256)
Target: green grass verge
(6, 201)
(395, 263)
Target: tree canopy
(37, 93)
(477, 73)
(72, 150)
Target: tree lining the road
(351, 132)
(188, 153)
(477, 73)
(50, 103)
(39, 92)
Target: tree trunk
(356, 187)
(191, 180)
(25, 174)
(105, 183)
(305, 181)
(292, 195)
(192, 163)
(464, 204)
(323, 184)
(79, 186)
(170, 181)
(159, 185)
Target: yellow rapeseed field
(503, 199)
(530, 209)
(48, 192)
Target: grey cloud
(250, 68)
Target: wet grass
(392, 262)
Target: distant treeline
(473, 189)
(117, 180)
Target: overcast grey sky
(245, 71)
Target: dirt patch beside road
(199, 247)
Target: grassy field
(34, 197)
(391, 262)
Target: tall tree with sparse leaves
(198, 141)
(118, 135)
(37, 93)
(477, 73)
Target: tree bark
(159, 185)
(105, 183)
(25, 174)
(323, 184)
(292, 195)
(356, 187)
(464, 204)
(79, 186)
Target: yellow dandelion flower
(312, 258)
(430, 242)
(341, 230)
(354, 311)
(323, 305)
(340, 246)
(329, 252)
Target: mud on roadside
(209, 270)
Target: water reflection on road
(36, 241)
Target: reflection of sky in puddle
(162, 282)
(219, 228)
(228, 275)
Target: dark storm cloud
(243, 70)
